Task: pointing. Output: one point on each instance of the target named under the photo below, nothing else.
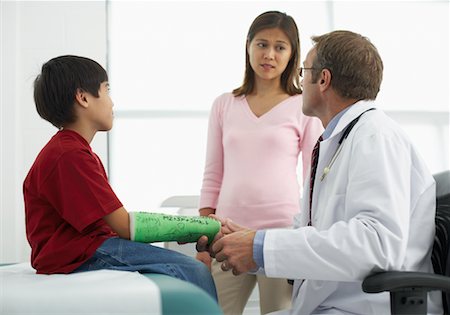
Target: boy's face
(101, 113)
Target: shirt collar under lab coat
(344, 117)
(332, 124)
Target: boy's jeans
(121, 254)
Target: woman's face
(269, 53)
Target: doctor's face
(311, 96)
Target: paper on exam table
(22, 291)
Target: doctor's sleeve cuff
(258, 248)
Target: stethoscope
(344, 136)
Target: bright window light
(169, 60)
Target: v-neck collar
(253, 116)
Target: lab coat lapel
(329, 146)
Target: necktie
(314, 160)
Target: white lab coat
(373, 211)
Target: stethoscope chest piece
(326, 170)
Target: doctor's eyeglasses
(301, 70)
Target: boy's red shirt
(66, 194)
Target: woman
(255, 136)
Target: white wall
(33, 32)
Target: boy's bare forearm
(119, 222)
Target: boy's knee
(202, 268)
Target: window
(169, 60)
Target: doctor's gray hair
(354, 62)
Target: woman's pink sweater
(251, 162)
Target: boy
(74, 220)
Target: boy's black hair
(55, 88)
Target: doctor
(373, 202)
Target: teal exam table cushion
(181, 297)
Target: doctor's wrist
(258, 248)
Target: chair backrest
(182, 201)
(186, 204)
(441, 254)
(442, 188)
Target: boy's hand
(202, 243)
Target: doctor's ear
(325, 79)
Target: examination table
(22, 291)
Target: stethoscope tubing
(344, 136)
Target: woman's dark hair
(290, 81)
(60, 79)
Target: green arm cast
(149, 227)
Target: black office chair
(409, 290)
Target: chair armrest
(403, 280)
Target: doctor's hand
(235, 250)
